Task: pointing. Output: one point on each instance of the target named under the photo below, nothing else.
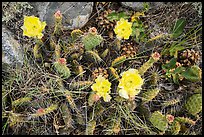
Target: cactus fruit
(175, 128)
(92, 39)
(194, 104)
(61, 68)
(154, 58)
(159, 121)
(149, 95)
(119, 60)
(80, 85)
(194, 73)
(114, 127)
(76, 34)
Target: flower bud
(62, 61)
(93, 30)
(58, 15)
(156, 56)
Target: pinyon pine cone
(99, 71)
(129, 49)
(103, 21)
(188, 57)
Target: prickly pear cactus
(76, 34)
(149, 95)
(91, 40)
(91, 127)
(79, 85)
(193, 74)
(194, 104)
(175, 127)
(61, 68)
(154, 58)
(159, 121)
(185, 120)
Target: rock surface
(75, 14)
(138, 6)
(11, 49)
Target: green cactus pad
(175, 127)
(185, 120)
(76, 34)
(90, 41)
(149, 95)
(63, 70)
(194, 104)
(193, 74)
(159, 121)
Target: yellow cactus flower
(33, 27)
(130, 83)
(102, 88)
(123, 29)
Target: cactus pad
(149, 95)
(193, 74)
(175, 128)
(159, 121)
(63, 70)
(90, 41)
(194, 104)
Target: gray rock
(11, 50)
(75, 14)
(138, 6)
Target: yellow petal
(123, 93)
(94, 87)
(107, 98)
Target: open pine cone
(188, 57)
(104, 22)
(99, 71)
(129, 49)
